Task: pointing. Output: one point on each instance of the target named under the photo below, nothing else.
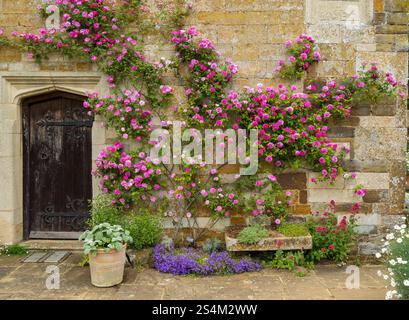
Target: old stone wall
(252, 33)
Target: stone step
(70, 245)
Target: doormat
(46, 257)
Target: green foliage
(102, 211)
(212, 245)
(331, 240)
(303, 55)
(286, 260)
(252, 234)
(262, 220)
(374, 84)
(293, 230)
(85, 261)
(263, 197)
(105, 236)
(14, 250)
(145, 229)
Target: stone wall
(252, 34)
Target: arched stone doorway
(57, 163)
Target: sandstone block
(301, 209)
(369, 181)
(380, 143)
(400, 18)
(380, 165)
(326, 195)
(366, 230)
(382, 121)
(373, 196)
(368, 248)
(11, 190)
(396, 6)
(293, 180)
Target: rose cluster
(268, 199)
(128, 176)
(373, 83)
(125, 112)
(208, 78)
(95, 30)
(293, 126)
(303, 55)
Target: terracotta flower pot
(107, 269)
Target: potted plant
(106, 246)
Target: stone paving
(28, 281)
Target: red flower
(331, 247)
(355, 208)
(279, 243)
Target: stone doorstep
(68, 245)
(271, 244)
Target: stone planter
(107, 269)
(274, 242)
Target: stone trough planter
(274, 242)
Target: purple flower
(190, 261)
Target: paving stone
(354, 294)
(4, 271)
(337, 277)
(10, 261)
(27, 281)
(5, 296)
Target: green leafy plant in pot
(106, 246)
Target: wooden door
(57, 166)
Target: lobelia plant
(191, 261)
(105, 237)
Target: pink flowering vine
(303, 56)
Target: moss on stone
(293, 230)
